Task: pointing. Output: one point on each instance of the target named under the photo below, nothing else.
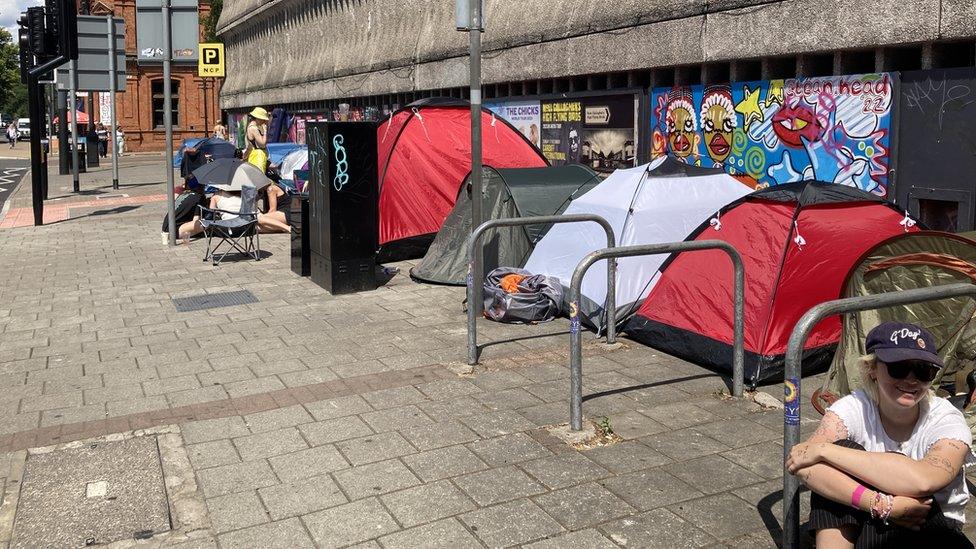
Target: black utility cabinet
(344, 200)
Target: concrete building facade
(824, 89)
(301, 51)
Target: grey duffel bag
(538, 299)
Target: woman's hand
(804, 455)
(910, 512)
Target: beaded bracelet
(889, 506)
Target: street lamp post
(168, 120)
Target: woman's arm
(839, 486)
(899, 474)
(249, 139)
(260, 136)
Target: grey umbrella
(229, 174)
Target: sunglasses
(923, 371)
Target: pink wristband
(856, 496)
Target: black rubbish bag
(538, 299)
(186, 208)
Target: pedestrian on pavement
(220, 131)
(102, 133)
(12, 134)
(885, 468)
(119, 141)
(256, 151)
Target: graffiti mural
(834, 129)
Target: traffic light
(62, 27)
(35, 32)
(23, 48)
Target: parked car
(23, 128)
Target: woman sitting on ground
(886, 464)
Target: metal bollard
(575, 340)
(475, 304)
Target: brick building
(140, 107)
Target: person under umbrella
(227, 176)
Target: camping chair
(241, 232)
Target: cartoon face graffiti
(796, 122)
(718, 122)
(681, 124)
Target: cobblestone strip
(239, 406)
(24, 217)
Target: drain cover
(93, 494)
(213, 301)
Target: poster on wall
(834, 129)
(105, 107)
(525, 116)
(598, 131)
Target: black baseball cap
(898, 341)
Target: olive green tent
(911, 260)
(508, 192)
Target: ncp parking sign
(211, 60)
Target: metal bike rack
(575, 341)
(791, 382)
(475, 303)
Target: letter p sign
(211, 61)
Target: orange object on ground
(510, 283)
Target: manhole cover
(212, 301)
(98, 493)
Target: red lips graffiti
(794, 123)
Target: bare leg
(274, 191)
(189, 229)
(836, 538)
(273, 222)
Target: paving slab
(427, 503)
(445, 462)
(351, 523)
(375, 479)
(659, 528)
(103, 492)
(495, 527)
(498, 485)
(444, 534)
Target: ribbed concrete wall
(286, 51)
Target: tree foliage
(13, 94)
(210, 21)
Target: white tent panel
(642, 209)
(293, 161)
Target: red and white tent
(798, 242)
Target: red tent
(798, 242)
(424, 155)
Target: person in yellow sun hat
(257, 139)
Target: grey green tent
(911, 260)
(507, 192)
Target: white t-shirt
(937, 420)
(229, 203)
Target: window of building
(159, 104)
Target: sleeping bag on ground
(518, 296)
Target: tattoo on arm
(939, 462)
(831, 429)
(947, 456)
